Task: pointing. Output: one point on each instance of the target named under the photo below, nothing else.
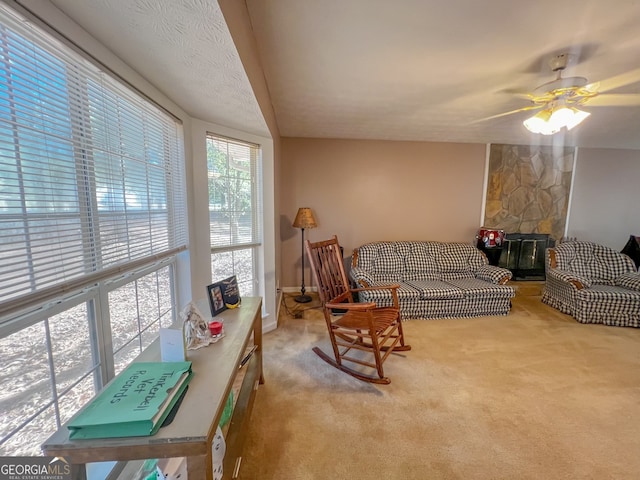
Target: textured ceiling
(425, 70)
(401, 70)
(183, 48)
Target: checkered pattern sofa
(437, 279)
(592, 283)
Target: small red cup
(215, 328)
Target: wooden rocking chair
(363, 326)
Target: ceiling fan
(559, 99)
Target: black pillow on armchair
(632, 249)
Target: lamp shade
(305, 219)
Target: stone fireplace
(528, 189)
(527, 196)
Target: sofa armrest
(630, 280)
(571, 278)
(493, 274)
(361, 277)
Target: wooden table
(190, 434)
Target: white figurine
(196, 330)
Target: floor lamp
(304, 219)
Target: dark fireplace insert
(523, 254)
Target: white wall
(605, 203)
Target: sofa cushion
(630, 280)
(386, 278)
(366, 278)
(459, 260)
(383, 257)
(598, 263)
(608, 298)
(421, 261)
(383, 298)
(387, 261)
(475, 287)
(446, 276)
(408, 277)
(435, 289)
(609, 305)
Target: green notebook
(135, 403)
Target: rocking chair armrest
(351, 306)
(393, 287)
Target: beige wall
(365, 190)
(605, 201)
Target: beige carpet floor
(533, 395)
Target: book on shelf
(135, 403)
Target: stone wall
(528, 189)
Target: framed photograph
(216, 302)
(223, 295)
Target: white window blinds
(91, 173)
(235, 208)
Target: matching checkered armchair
(592, 283)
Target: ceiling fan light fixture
(577, 118)
(551, 120)
(540, 123)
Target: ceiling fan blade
(523, 109)
(517, 93)
(614, 100)
(592, 87)
(523, 96)
(611, 83)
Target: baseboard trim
(297, 289)
(269, 327)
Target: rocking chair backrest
(374, 333)
(328, 269)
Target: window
(234, 210)
(137, 310)
(92, 214)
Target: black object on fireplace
(632, 249)
(523, 254)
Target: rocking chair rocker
(365, 327)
